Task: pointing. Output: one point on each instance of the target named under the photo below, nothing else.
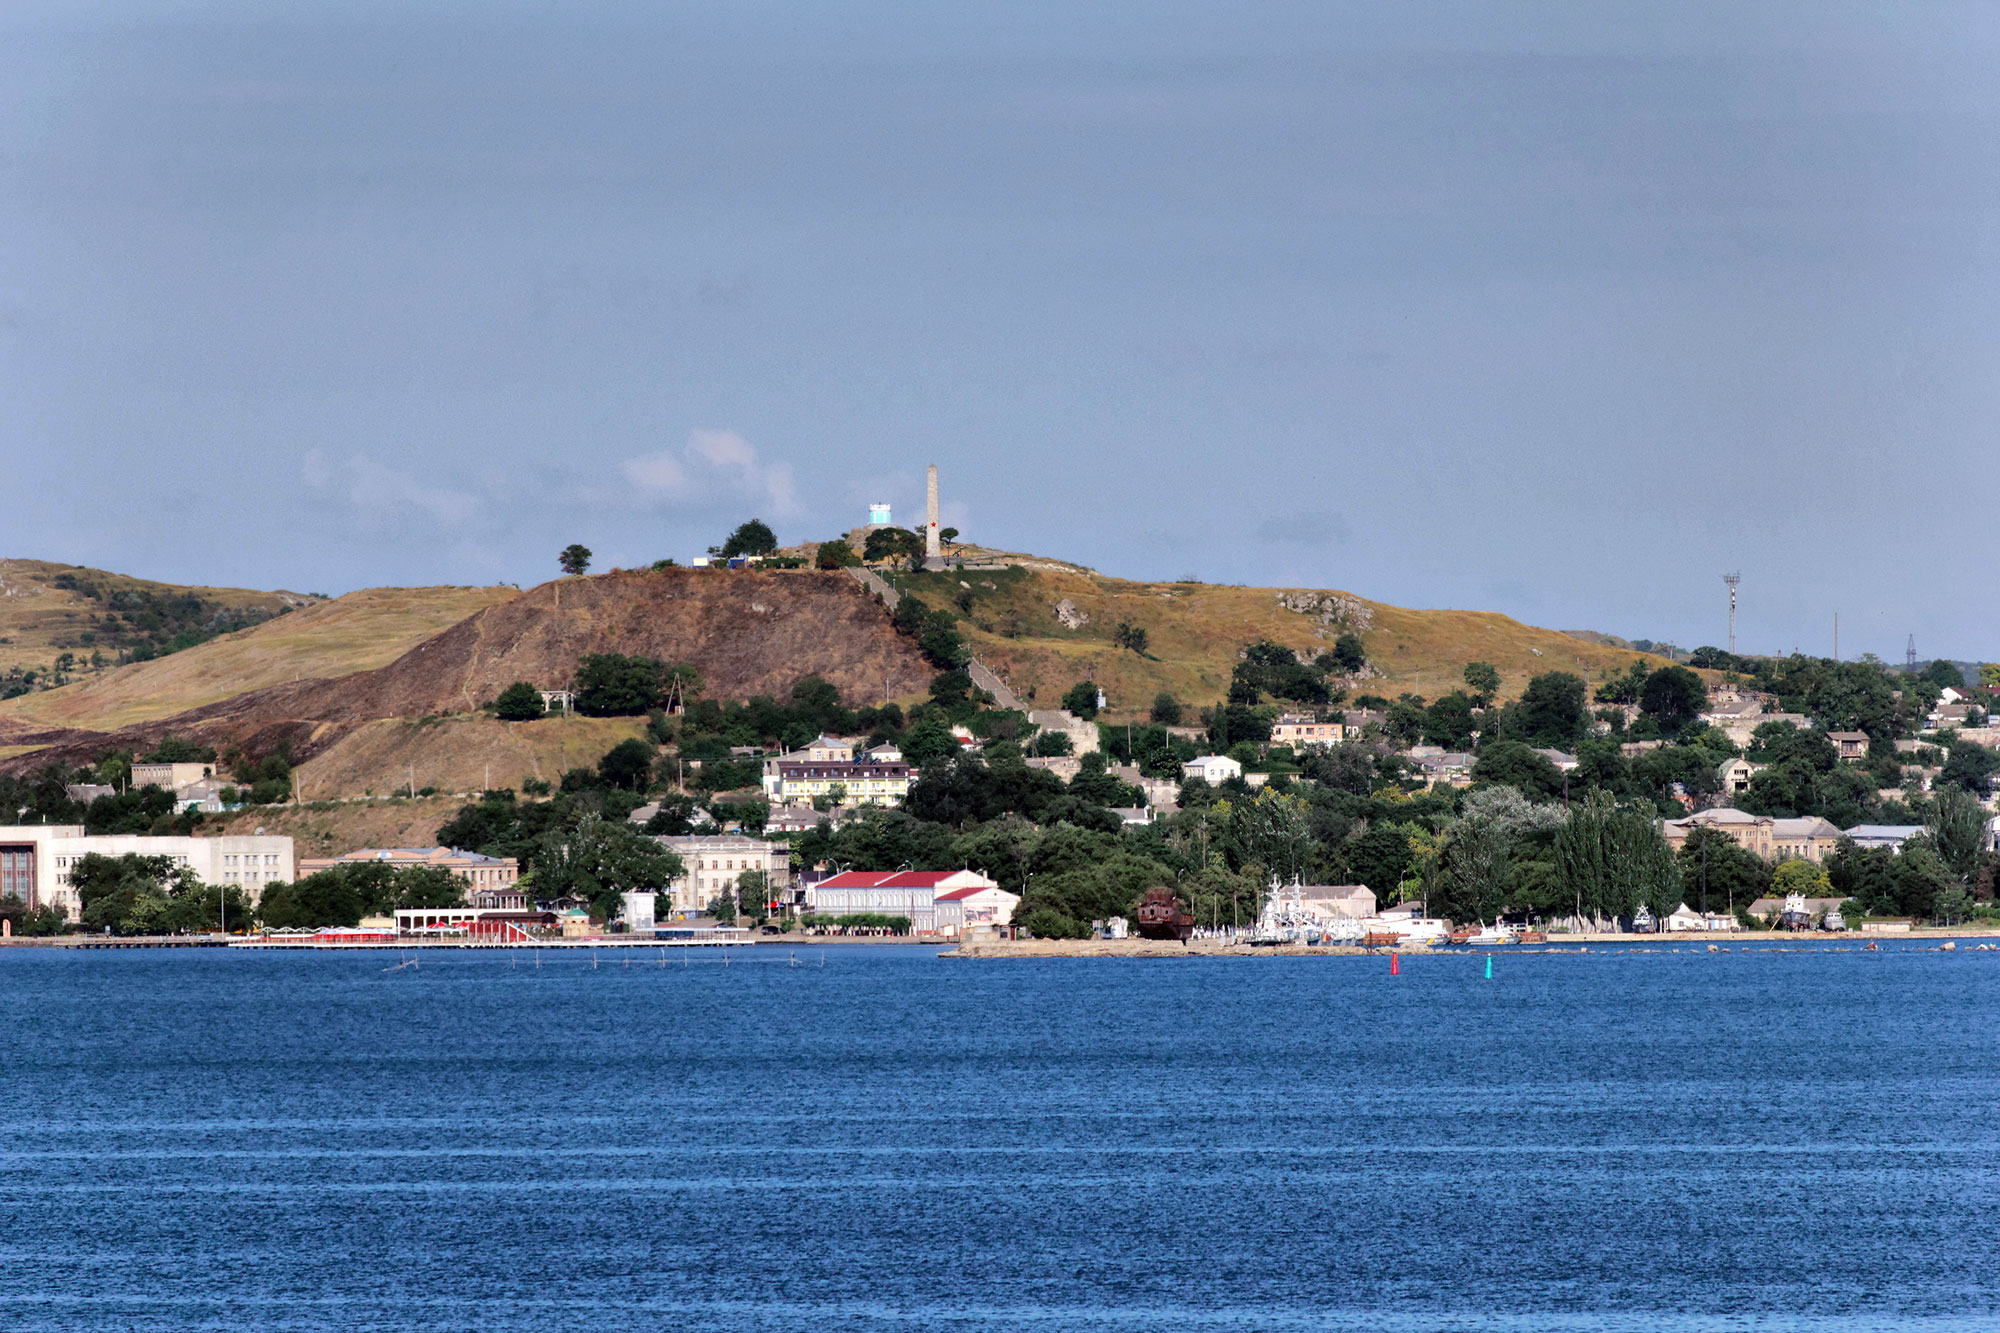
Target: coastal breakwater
(1927, 941)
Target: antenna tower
(1732, 580)
(1910, 654)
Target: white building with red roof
(926, 897)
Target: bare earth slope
(357, 632)
(748, 633)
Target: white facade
(1212, 768)
(38, 858)
(714, 861)
(914, 894)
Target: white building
(1212, 768)
(985, 905)
(36, 860)
(911, 893)
(170, 776)
(715, 860)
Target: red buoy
(1395, 964)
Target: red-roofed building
(915, 894)
(986, 905)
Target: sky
(1558, 310)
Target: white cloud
(658, 474)
(377, 490)
(724, 448)
(714, 465)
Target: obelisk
(933, 548)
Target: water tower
(878, 514)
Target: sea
(876, 1137)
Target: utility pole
(1732, 580)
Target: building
(1064, 766)
(1808, 839)
(878, 514)
(478, 872)
(829, 750)
(1892, 836)
(910, 893)
(859, 783)
(1162, 794)
(170, 776)
(1564, 761)
(1299, 731)
(35, 861)
(1451, 769)
(1353, 902)
(973, 908)
(1213, 769)
(1815, 908)
(1082, 734)
(1736, 774)
(1750, 832)
(715, 861)
(1851, 746)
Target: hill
(47, 609)
(1045, 628)
(357, 632)
(747, 632)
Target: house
(478, 872)
(1809, 839)
(1299, 731)
(1453, 770)
(170, 776)
(36, 861)
(204, 795)
(83, 793)
(1735, 775)
(1892, 836)
(1161, 793)
(1564, 761)
(1213, 769)
(1770, 909)
(909, 893)
(1944, 715)
(1082, 734)
(1851, 746)
(973, 907)
(858, 783)
(1064, 766)
(830, 750)
(1753, 833)
(714, 862)
(1352, 902)
(1354, 719)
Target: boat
(1643, 922)
(1489, 935)
(1833, 920)
(1161, 916)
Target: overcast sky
(1542, 309)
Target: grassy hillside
(1194, 631)
(47, 609)
(357, 632)
(457, 753)
(330, 829)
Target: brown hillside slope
(747, 632)
(39, 618)
(1194, 632)
(358, 632)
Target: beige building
(1851, 746)
(714, 861)
(36, 860)
(1298, 731)
(478, 872)
(171, 776)
(859, 783)
(1736, 775)
(1807, 839)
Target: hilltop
(47, 609)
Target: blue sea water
(870, 1138)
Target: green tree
(1349, 654)
(1674, 697)
(1166, 709)
(1472, 874)
(1717, 874)
(752, 538)
(1082, 699)
(1942, 673)
(628, 764)
(1608, 862)
(834, 555)
(929, 741)
(723, 907)
(1553, 711)
(1484, 681)
(753, 894)
(1969, 766)
(1130, 636)
(1957, 825)
(601, 861)
(1803, 877)
(1516, 765)
(574, 559)
(519, 702)
(886, 545)
(615, 685)
(1449, 723)
(428, 886)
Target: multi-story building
(1212, 768)
(1299, 730)
(478, 872)
(860, 782)
(714, 861)
(170, 776)
(1808, 839)
(36, 861)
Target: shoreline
(1736, 942)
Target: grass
(1194, 632)
(364, 629)
(457, 752)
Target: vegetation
(574, 559)
(519, 702)
(751, 538)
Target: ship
(1643, 922)
(1161, 916)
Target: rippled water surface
(875, 1138)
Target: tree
(1801, 877)
(752, 538)
(1082, 699)
(1349, 654)
(1166, 709)
(1448, 722)
(1470, 878)
(1674, 697)
(1957, 824)
(602, 861)
(1969, 766)
(1515, 765)
(1484, 681)
(519, 702)
(1051, 744)
(833, 555)
(1552, 710)
(753, 894)
(1942, 674)
(1130, 636)
(1718, 873)
(887, 545)
(575, 558)
(947, 536)
(615, 685)
(1610, 861)
(628, 764)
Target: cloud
(1303, 529)
(376, 490)
(713, 465)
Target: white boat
(1491, 935)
